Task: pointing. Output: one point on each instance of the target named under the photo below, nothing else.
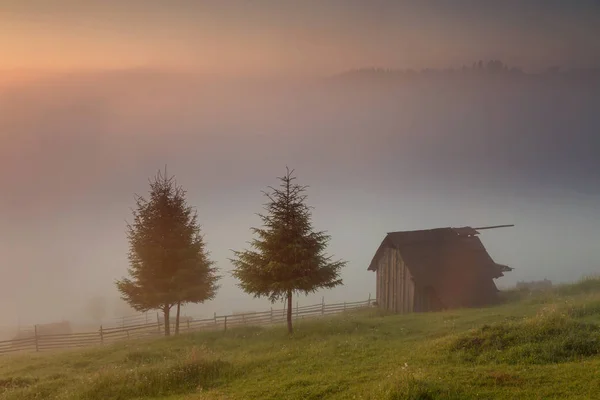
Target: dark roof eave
(501, 269)
(385, 243)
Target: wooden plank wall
(383, 289)
(384, 280)
(395, 287)
(404, 286)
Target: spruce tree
(287, 256)
(169, 265)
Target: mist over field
(380, 151)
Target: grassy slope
(534, 347)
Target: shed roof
(448, 259)
(421, 243)
(426, 237)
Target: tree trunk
(289, 312)
(167, 317)
(177, 318)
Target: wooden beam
(493, 227)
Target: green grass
(534, 346)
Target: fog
(380, 151)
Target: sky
(301, 37)
(95, 97)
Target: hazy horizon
(308, 37)
(91, 110)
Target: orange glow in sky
(298, 37)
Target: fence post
(215, 318)
(271, 314)
(101, 335)
(35, 332)
(369, 301)
(225, 323)
(296, 309)
(158, 322)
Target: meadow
(542, 345)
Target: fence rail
(137, 319)
(137, 329)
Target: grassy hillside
(535, 346)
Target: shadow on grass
(550, 337)
(413, 388)
(141, 375)
(156, 380)
(15, 383)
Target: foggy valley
(381, 151)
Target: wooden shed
(435, 269)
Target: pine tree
(169, 265)
(287, 256)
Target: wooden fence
(137, 319)
(119, 332)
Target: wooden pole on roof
(493, 227)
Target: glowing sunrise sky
(305, 36)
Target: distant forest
(478, 68)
